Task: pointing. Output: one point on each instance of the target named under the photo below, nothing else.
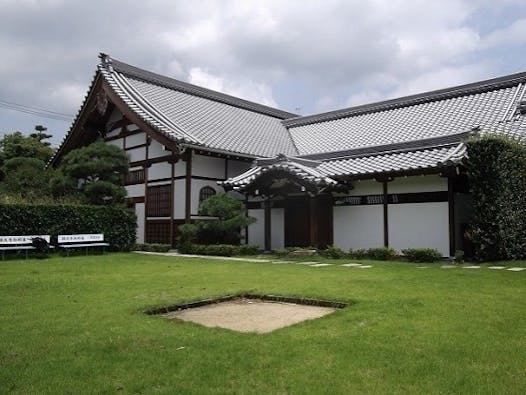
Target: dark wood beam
(188, 186)
(386, 213)
(313, 221)
(172, 196)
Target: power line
(38, 111)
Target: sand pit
(250, 315)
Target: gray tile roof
(489, 104)
(198, 116)
(368, 166)
(296, 167)
(395, 162)
(416, 132)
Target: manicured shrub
(218, 249)
(333, 252)
(248, 249)
(154, 247)
(116, 223)
(358, 253)
(422, 254)
(381, 253)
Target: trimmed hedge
(152, 247)
(116, 223)
(497, 178)
(381, 254)
(219, 249)
(422, 255)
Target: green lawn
(75, 325)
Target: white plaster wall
(113, 132)
(196, 187)
(118, 143)
(180, 168)
(431, 183)
(139, 212)
(156, 150)
(136, 190)
(135, 139)
(137, 154)
(160, 170)
(256, 230)
(277, 228)
(208, 166)
(358, 226)
(419, 225)
(179, 199)
(236, 167)
(367, 187)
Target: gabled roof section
(488, 104)
(301, 169)
(196, 116)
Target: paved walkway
(315, 264)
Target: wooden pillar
(313, 222)
(268, 235)
(451, 212)
(146, 175)
(386, 213)
(246, 213)
(188, 187)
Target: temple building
(383, 174)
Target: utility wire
(41, 112)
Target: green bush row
(219, 249)
(383, 254)
(153, 247)
(118, 224)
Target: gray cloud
(317, 55)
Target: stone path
(350, 265)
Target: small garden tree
(95, 173)
(227, 218)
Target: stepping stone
(321, 264)
(283, 262)
(448, 267)
(496, 267)
(471, 267)
(423, 267)
(352, 264)
(516, 269)
(364, 267)
(306, 263)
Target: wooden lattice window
(134, 177)
(158, 232)
(158, 201)
(205, 193)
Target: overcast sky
(301, 56)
